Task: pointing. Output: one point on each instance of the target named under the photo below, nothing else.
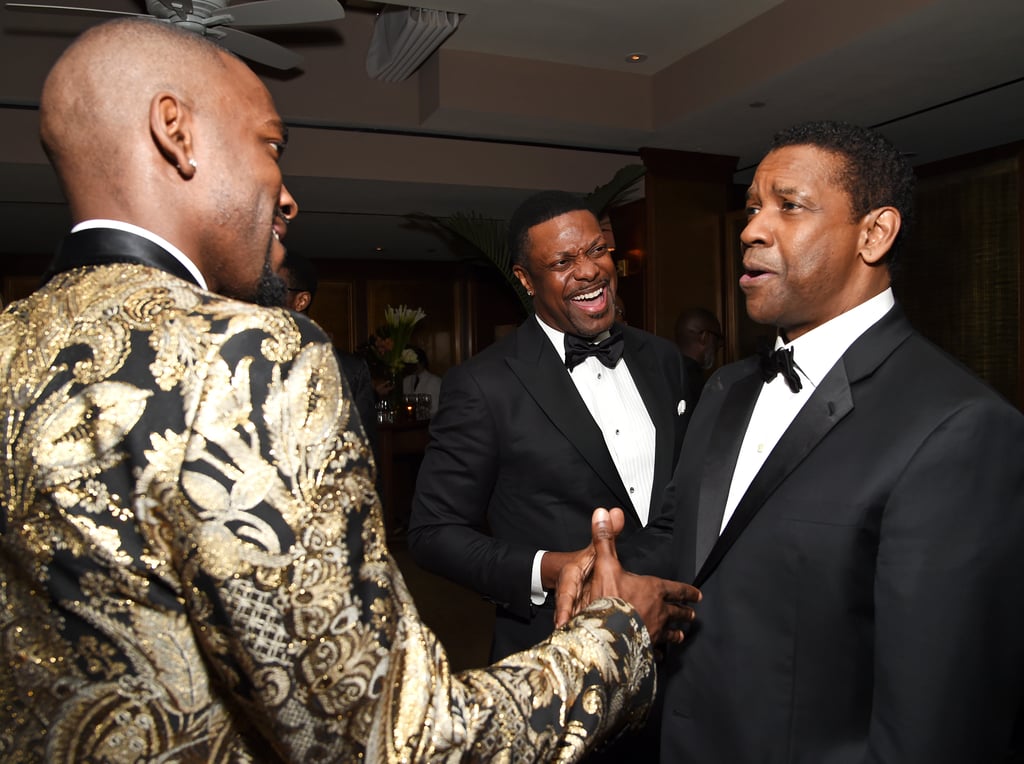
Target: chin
(758, 313)
(594, 327)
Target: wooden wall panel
(687, 196)
(334, 310)
(440, 299)
(492, 310)
(629, 222)
(959, 279)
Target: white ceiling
(526, 79)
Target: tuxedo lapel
(878, 343)
(106, 246)
(829, 403)
(723, 451)
(545, 379)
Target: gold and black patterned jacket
(192, 565)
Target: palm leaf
(487, 239)
(605, 196)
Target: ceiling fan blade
(181, 9)
(257, 49)
(66, 9)
(268, 13)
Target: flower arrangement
(388, 347)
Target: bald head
(152, 125)
(95, 106)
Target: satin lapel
(653, 387)
(545, 379)
(723, 450)
(876, 344)
(829, 403)
(106, 246)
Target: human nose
(756, 231)
(586, 269)
(287, 205)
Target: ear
(170, 123)
(524, 278)
(881, 227)
(302, 302)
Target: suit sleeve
(949, 586)
(448, 530)
(303, 614)
(650, 552)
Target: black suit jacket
(694, 380)
(864, 602)
(516, 464)
(358, 375)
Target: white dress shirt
(814, 353)
(424, 382)
(117, 225)
(613, 400)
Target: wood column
(687, 196)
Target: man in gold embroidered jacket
(192, 562)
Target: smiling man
(570, 412)
(869, 477)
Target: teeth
(588, 296)
(277, 236)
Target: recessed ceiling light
(379, 249)
(636, 58)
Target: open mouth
(595, 302)
(753, 275)
(590, 296)
(753, 269)
(280, 228)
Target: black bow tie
(608, 351)
(780, 362)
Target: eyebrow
(792, 191)
(281, 127)
(590, 246)
(787, 191)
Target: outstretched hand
(659, 602)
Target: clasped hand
(595, 572)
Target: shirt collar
(118, 225)
(558, 338)
(818, 350)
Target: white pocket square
(681, 408)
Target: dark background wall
(960, 278)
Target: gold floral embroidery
(192, 556)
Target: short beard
(270, 289)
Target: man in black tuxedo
(523, 448)
(879, 485)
